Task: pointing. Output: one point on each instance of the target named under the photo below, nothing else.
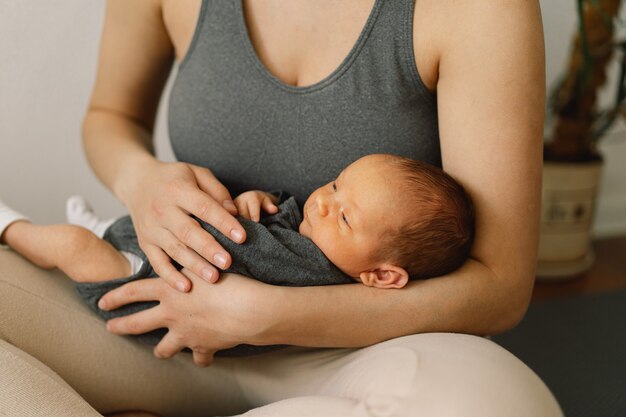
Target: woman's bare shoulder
(440, 26)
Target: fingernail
(229, 204)
(220, 259)
(102, 304)
(180, 286)
(207, 274)
(236, 235)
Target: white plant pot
(567, 207)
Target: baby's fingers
(254, 208)
(269, 206)
(242, 208)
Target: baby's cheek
(335, 252)
(322, 242)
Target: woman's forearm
(469, 300)
(116, 148)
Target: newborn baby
(384, 220)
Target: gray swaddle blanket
(274, 252)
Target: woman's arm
(136, 56)
(490, 95)
(491, 103)
(134, 61)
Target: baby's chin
(303, 229)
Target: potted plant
(572, 162)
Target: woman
(281, 95)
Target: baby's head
(386, 219)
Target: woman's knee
(29, 387)
(442, 374)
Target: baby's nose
(322, 206)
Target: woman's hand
(160, 199)
(206, 319)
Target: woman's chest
(259, 125)
(300, 42)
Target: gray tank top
(227, 112)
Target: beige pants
(56, 359)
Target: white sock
(9, 216)
(79, 212)
(135, 261)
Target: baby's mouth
(305, 220)
(305, 215)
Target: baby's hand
(249, 204)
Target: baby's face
(347, 217)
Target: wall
(49, 54)
(560, 20)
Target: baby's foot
(8, 216)
(79, 212)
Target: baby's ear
(385, 276)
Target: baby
(384, 220)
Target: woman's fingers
(180, 238)
(212, 212)
(188, 233)
(168, 347)
(207, 319)
(190, 274)
(195, 249)
(160, 206)
(138, 323)
(162, 265)
(212, 186)
(148, 289)
(203, 359)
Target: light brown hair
(438, 236)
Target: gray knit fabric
(228, 113)
(274, 252)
